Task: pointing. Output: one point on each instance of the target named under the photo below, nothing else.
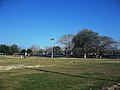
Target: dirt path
(17, 67)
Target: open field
(35, 73)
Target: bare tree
(48, 50)
(104, 44)
(35, 49)
(66, 41)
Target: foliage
(23, 51)
(14, 49)
(9, 49)
(57, 50)
(88, 41)
(4, 49)
(84, 40)
(29, 51)
(84, 43)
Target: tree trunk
(85, 55)
(96, 56)
(100, 56)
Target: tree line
(85, 43)
(9, 50)
(16, 50)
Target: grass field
(35, 73)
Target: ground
(36, 73)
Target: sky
(34, 22)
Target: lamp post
(52, 47)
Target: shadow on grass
(71, 75)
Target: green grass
(58, 73)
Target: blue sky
(29, 22)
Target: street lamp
(52, 46)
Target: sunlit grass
(58, 73)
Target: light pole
(52, 47)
